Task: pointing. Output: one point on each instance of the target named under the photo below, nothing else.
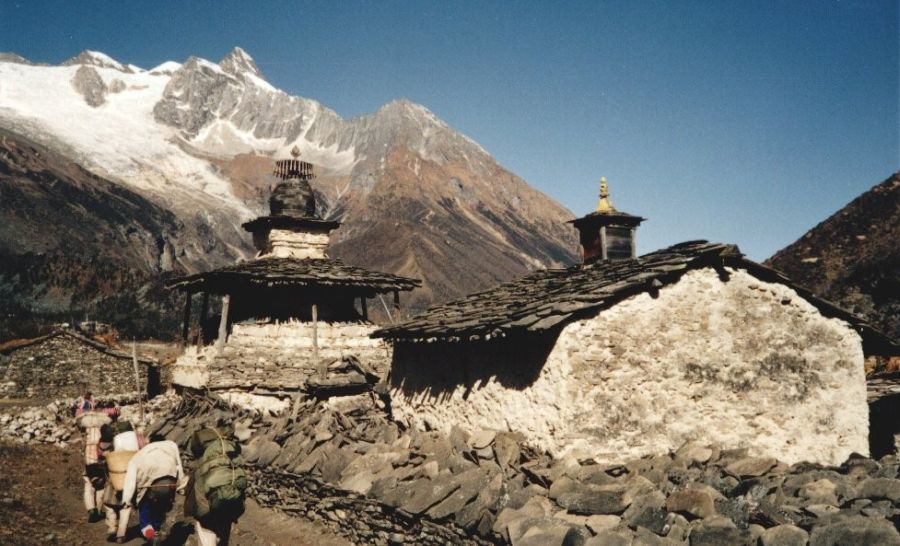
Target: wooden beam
(320, 368)
(187, 318)
(204, 307)
(223, 324)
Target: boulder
(596, 499)
(879, 488)
(843, 530)
(750, 467)
(784, 535)
(692, 503)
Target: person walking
(152, 477)
(216, 491)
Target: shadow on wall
(884, 425)
(437, 370)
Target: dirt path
(40, 503)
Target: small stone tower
(607, 234)
(292, 229)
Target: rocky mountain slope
(853, 257)
(188, 148)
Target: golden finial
(604, 205)
(295, 151)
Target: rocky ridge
(198, 140)
(347, 465)
(852, 258)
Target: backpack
(220, 483)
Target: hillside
(853, 257)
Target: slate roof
(16, 344)
(274, 271)
(549, 298)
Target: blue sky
(744, 122)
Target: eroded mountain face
(853, 257)
(197, 142)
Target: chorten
(290, 315)
(607, 234)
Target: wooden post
(397, 304)
(187, 318)
(204, 307)
(137, 378)
(223, 324)
(364, 306)
(602, 242)
(320, 368)
(386, 310)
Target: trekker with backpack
(151, 479)
(217, 490)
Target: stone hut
(626, 356)
(292, 317)
(65, 364)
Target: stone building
(291, 316)
(625, 356)
(65, 364)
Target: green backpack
(220, 483)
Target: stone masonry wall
(279, 356)
(297, 244)
(64, 367)
(737, 363)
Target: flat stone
(854, 530)
(714, 535)
(535, 508)
(564, 484)
(596, 499)
(784, 535)
(692, 502)
(507, 450)
(821, 510)
(547, 532)
(425, 493)
(470, 484)
(653, 519)
(601, 522)
(482, 439)
(879, 488)
(750, 467)
(611, 538)
(486, 499)
(358, 483)
(819, 492)
(691, 453)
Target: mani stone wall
(62, 366)
(739, 362)
(278, 357)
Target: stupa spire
(604, 205)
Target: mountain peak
(239, 62)
(95, 58)
(10, 57)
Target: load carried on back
(219, 481)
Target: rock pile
(53, 424)
(38, 425)
(375, 482)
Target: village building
(293, 320)
(624, 356)
(66, 364)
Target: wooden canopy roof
(292, 272)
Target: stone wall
(735, 362)
(278, 357)
(63, 366)
(296, 244)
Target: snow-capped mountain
(198, 140)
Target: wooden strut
(204, 307)
(223, 324)
(364, 307)
(187, 318)
(137, 378)
(320, 368)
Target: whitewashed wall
(736, 363)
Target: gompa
(624, 356)
(293, 321)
